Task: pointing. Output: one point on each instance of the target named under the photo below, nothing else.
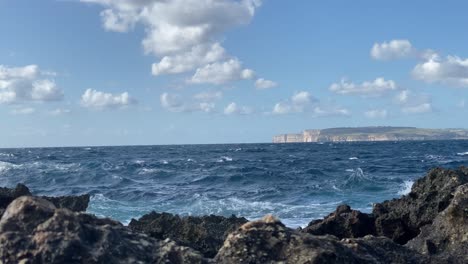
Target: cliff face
(371, 134)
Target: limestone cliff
(351, 134)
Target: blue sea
(295, 182)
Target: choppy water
(296, 182)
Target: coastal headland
(428, 225)
(384, 133)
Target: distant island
(379, 133)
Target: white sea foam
(164, 162)
(406, 187)
(224, 158)
(139, 161)
(10, 155)
(148, 171)
(463, 153)
(6, 166)
(349, 170)
(353, 158)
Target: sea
(294, 182)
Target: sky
(144, 72)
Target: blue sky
(119, 72)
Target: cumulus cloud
(184, 34)
(378, 87)
(376, 113)
(99, 100)
(412, 103)
(202, 102)
(298, 103)
(264, 84)
(221, 72)
(198, 56)
(27, 83)
(450, 70)
(395, 49)
(233, 108)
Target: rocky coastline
(429, 225)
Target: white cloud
(23, 111)
(412, 103)
(202, 102)
(233, 108)
(185, 34)
(298, 103)
(395, 49)
(451, 70)
(27, 83)
(264, 84)
(377, 87)
(198, 56)
(221, 72)
(100, 100)
(376, 113)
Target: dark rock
(269, 241)
(446, 239)
(7, 195)
(398, 219)
(32, 230)
(74, 203)
(401, 219)
(343, 223)
(205, 234)
(383, 250)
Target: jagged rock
(398, 219)
(205, 233)
(33, 230)
(7, 195)
(343, 223)
(401, 219)
(74, 203)
(269, 241)
(446, 239)
(382, 250)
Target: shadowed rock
(7, 195)
(446, 239)
(33, 230)
(343, 223)
(205, 234)
(74, 203)
(269, 241)
(401, 219)
(398, 219)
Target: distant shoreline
(371, 134)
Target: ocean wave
(406, 187)
(9, 155)
(462, 153)
(6, 166)
(353, 158)
(148, 171)
(224, 159)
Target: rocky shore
(429, 225)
